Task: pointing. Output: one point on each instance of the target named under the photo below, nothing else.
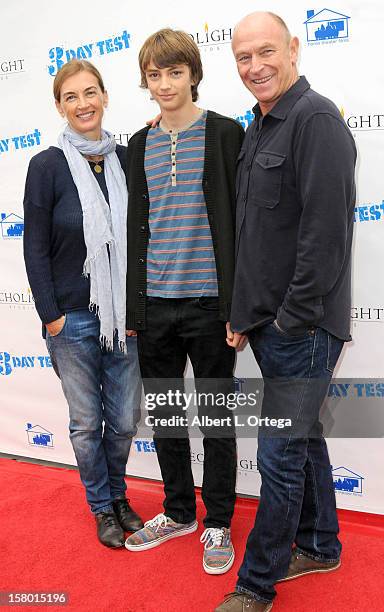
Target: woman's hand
(55, 327)
(155, 121)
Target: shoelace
(160, 520)
(123, 505)
(213, 536)
(109, 521)
(248, 600)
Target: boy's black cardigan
(223, 140)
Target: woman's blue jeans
(103, 391)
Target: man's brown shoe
(301, 565)
(241, 602)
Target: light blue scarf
(103, 225)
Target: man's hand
(155, 121)
(235, 340)
(130, 333)
(55, 327)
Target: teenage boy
(180, 277)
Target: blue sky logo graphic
(346, 481)
(38, 436)
(326, 26)
(12, 226)
(59, 56)
(246, 119)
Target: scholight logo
(59, 56)
(212, 38)
(10, 67)
(17, 299)
(367, 313)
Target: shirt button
(244, 198)
(141, 293)
(141, 260)
(139, 322)
(142, 228)
(144, 196)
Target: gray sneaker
(219, 554)
(156, 531)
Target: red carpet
(48, 543)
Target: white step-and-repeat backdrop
(341, 51)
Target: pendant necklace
(96, 165)
(97, 168)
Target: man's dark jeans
(297, 498)
(177, 328)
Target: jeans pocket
(208, 303)
(334, 347)
(51, 355)
(306, 334)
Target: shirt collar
(287, 101)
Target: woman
(75, 253)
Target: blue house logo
(38, 436)
(12, 226)
(326, 26)
(347, 481)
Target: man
(296, 195)
(179, 286)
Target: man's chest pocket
(266, 179)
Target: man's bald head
(266, 56)
(257, 17)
